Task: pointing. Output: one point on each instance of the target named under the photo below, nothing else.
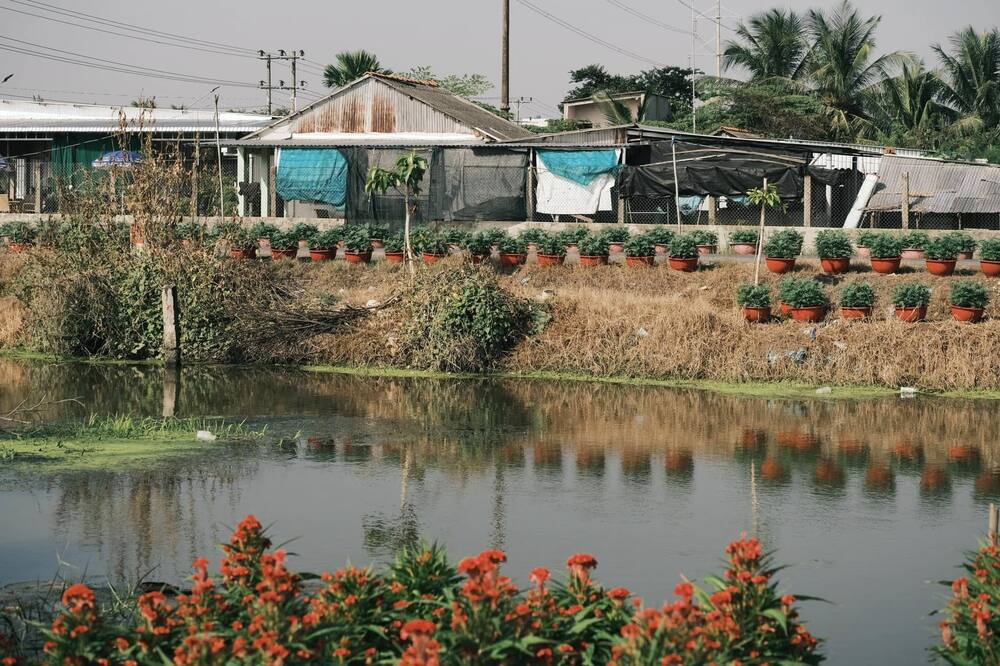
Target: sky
(450, 36)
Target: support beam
(807, 201)
(713, 210)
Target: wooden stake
(171, 327)
(760, 238)
(994, 523)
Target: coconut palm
(910, 101)
(771, 44)
(972, 76)
(351, 65)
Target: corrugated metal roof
(937, 186)
(18, 116)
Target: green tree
(972, 77)
(908, 106)
(350, 66)
(771, 44)
(406, 177)
(463, 85)
(673, 83)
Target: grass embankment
(100, 442)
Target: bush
(377, 232)
(785, 244)
(989, 249)
(260, 230)
(960, 241)
(593, 246)
(705, 237)
(429, 242)
(304, 232)
(356, 239)
(884, 246)
(573, 235)
(394, 243)
(970, 630)
(639, 246)
(660, 235)
(833, 244)
(240, 237)
(804, 293)
(744, 237)
(494, 236)
(480, 245)
(683, 246)
(459, 237)
(968, 294)
(285, 240)
(327, 239)
(532, 235)
(857, 295)
(754, 296)
(864, 238)
(190, 231)
(513, 245)
(21, 233)
(910, 295)
(551, 244)
(615, 235)
(915, 240)
(939, 249)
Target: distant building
(642, 106)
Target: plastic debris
(205, 436)
(824, 390)
(372, 303)
(642, 333)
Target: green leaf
(778, 616)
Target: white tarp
(555, 195)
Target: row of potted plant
(940, 254)
(805, 300)
(914, 243)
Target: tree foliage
(349, 66)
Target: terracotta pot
(885, 266)
(757, 315)
(743, 248)
(323, 255)
(863, 251)
(236, 253)
(616, 247)
(377, 243)
(912, 314)
(779, 266)
(394, 257)
(660, 249)
(784, 308)
(964, 256)
(432, 257)
(550, 259)
(941, 267)
(706, 249)
(810, 315)
(912, 253)
(990, 268)
(685, 265)
(599, 260)
(283, 254)
(855, 313)
(19, 247)
(639, 261)
(354, 257)
(835, 265)
(971, 315)
(507, 259)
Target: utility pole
(266, 57)
(505, 60)
(294, 57)
(718, 38)
(519, 101)
(694, 91)
(218, 158)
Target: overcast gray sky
(451, 36)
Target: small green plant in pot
(242, 241)
(682, 254)
(968, 300)
(593, 250)
(660, 237)
(989, 257)
(494, 235)
(910, 300)
(639, 251)
(20, 235)
(914, 244)
(857, 300)
(513, 251)
(479, 247)
(323, 246)
(755, 299)
(884, 251)
(744, 241)
(284, 245)
(551, 250)
(357, 245)
(431, 245)
(572, 237)
(939, 255)
(834, 249)
(963, 244)
(615, 237)
(781, 249)
(862, 241)
(377, 235)
(531, 237)
(394, 247)
(305, 232)
(806, 298)
(708, 241)
(456, 239)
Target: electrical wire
(647, 17)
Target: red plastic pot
(835, 265)
(971, 315)
(507, 259)
(784, 308)
(810, 315)
(394, 257)
(682, 264)
(598, 260)
(355, 257)
(706, 249)
(432, 257)
(283, 254)
(886, 266)
(855, 313)
(990, 268)
(639, 261)
(779, 266)
(912, 253)
(550, 259)
(323, 255)
(912, 314)
(743, 248)
(757, 315)
(19, 247)
(241, 254)
(941, 267)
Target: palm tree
(351, 65)
(842, 66)
(972, 76)
(909, 102)
(772, 44)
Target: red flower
(417, 628)
(619, 593)
(539, 575)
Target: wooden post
(194, 181)
(171, 327)
(994, 526)
(905, 208)
(807, 201)
(713, 210)
(677, 187)
(272, 190)
(530, 198)
(760, 238)
(621, 210)
(38, 184)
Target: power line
(648, 18)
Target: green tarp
(313, 174)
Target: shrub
(394, 243)
(785, 244)
(939, 249)
(551, 244)
(744, 236)
(573, 235)
(261, 230)
(238, 236)
(377, 232)
(884, 246)
(915, 240)
(968, 294)
(910, 295)
(494, 236)
(356, 239)
(864, 238)
(18, 232)
(660, 235)
(480, 245)
(190, 231)
(327, 239)
(304, 232)
(971, 626)
(532, 235)
(705, 237)
(857, 295)
(683, 246)
(639, 246)
(804, 293)
(285, 240)
(513, 245)
(459, 237)
(989, 249)
(833, 244)
(754, 296)
(615, 235)
(429, 242)
(960, 241)
(593, 246)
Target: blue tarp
(117, 158)
(580, 166)
(690, 204)
(313, 174)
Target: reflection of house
(640, 105)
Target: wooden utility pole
(905, 208)
(505, 60)
(718, 38)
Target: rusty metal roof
(937, 186)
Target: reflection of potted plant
(910, 300)
(939, 256)
(862, 241)
(755, 299)
(615, 237)
(431, 246)
(572, 237)
(284, 245)
(639, 251)
(513, 251)
(913, 244)
(885, 253)
(480, 247)
(857, 300)
(743, 241)
(708, 241)
(357, 245)
(834, 249)
(781, 249)
(807, 299)
(660, 237)
(530, 237)
(989, 257)
(683, 253)
(393, 247)
(593, 251)
(551, 250)
(324, 244)
(968, 300)
(963, 244)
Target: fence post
(171, 327)
(807, 201)
(38, 183)
(713, 210)
(272, 190)
(905, 208)
(531, 186)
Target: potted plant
(551, 250)
(834, 249)
(456, 239)
(683, 254)
(857, 300)
(615, 237)
(513, 251)
(963, 244)
(781, 249)
(572, 237)
(242, 241)
(660, 237)
(593, 250)
(20, 235)
(357, 245)
(968, 300)
(431, 246)
(910, 300)
(480, 247)
(494, 235)
(807, 299)
(785, 287)
(885, 252)
(262, 233)
(913, 244)
(188, 233)
(304, 233)
(989, 257)
(939, 257)
(743, 241)
(284, 245)
(393, 247)
(755, 299)
(639, 251)
(862, 242)
(323, 246)
(531, 238)
(377, 234)
(708, 241)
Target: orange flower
(619, 593)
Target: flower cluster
(970, 632)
